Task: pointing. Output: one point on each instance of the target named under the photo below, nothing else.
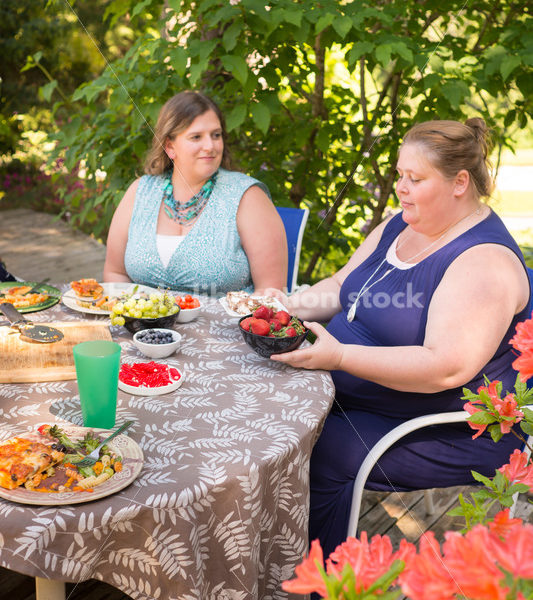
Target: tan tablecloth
(220, 508)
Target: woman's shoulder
(236, 180)
(235, 176)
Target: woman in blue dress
(190, 223)
(425, 307)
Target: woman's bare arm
(263, 239)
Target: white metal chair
(396, 434)
(386, 442)
(294, 221)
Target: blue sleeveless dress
(210, 259)
(394, 313)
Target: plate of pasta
(39, 467)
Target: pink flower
(308, 578)
(503, 407)
(502, 524)
(518, 470)
(508, 408)
(514, 552)
(426, 575)
(368, 561)
(472, 566)
(523, 342)
(471, 409)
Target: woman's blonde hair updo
(452, 146)
(174, 117)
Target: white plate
(122, 445)
(275, 303)
(110, 289)
(155, 391)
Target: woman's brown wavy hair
(174, 117)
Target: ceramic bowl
(133, 325)
(188, 314)
(157, 350)
(266, 346)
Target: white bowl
(157, 350)
(188, 314)
(153, 391)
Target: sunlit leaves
(178, 60)
(455, 92)
(237, 66)
(357, 50)
(261, 116)
(236, 117)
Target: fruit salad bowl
(269, 332)
(134, 324)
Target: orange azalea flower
(502, 524)
(515, 551)
(523, 342)
(492, 390)
(506, 407)
(426, 575)
(472, 565)
(308, 578)
(524, 364)
(479, 427)
(368, 561)
(518, 470)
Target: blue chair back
(530, 273)
(294, 220)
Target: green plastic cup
(97, 366)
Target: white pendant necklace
(364, 289)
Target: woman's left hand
(326, 353)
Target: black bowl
(266, 346)
(133, 325)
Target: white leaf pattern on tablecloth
(220, 508)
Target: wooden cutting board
(23, 361)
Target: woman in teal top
(190, 223)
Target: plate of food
(94, 298)
(149, 379)
(238, 304)
(18, 294)
(39, 467)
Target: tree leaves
(288, 82)
(237, 66)
(261, 116)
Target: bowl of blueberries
(157, 343)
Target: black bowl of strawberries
(268, 331)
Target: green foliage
(312, 93)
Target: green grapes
(157, 304)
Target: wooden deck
(35, 246)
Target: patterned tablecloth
(220, 508)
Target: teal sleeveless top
(210, 259)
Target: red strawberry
(276, 325)
(263, 312)
(245, 323)
(260, 327)
(290, 332)
(283, 317)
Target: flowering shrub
(491, 559)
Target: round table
(220, 508)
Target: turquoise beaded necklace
(186, 213)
